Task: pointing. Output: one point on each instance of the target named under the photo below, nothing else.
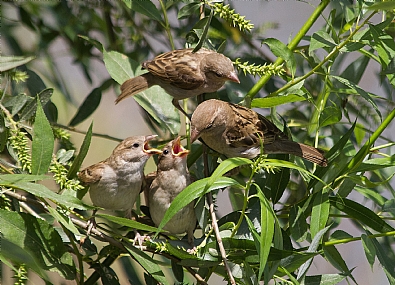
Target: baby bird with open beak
(172, 177)
(115, 183)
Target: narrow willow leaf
(269, 102)
(128, 223)
(360, 91)
(281, 50)
(43, 142)
(147, 8)
(3, 133)
(278, 181)
(324, 279)
(148, 263)
(329, 116)
(87, 108)
(64, 220)
(319, 213)
(189, 10)
(321, 39)
(178, 271)
(203, 36)
(385, 259)
(14, 254)
(294, 261)
(192, 192)
(226, 166)
(376, 163)
(370, 250)
(298, 224)
(43, 192)
(333, 256)
(30, 109)
(10, 62)
(361, 214)
(315, 243)
(12, 178)
(81, 155)
(267, 231)
(93, 42)
(40, 239)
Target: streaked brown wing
(179, 68)
(91, 174)
(249, 127)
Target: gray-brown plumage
(236, 131)
(172, 176)
(182, 74)
(115, 183)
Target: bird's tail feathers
(304, 151)
(134, 85)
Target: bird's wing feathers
(249, 127)
(92, 174)
(181, 71)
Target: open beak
(177, 149)
(147, 149)
(233, 77)
(194, 134)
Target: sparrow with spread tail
(182, 74)
(172, 176)
(236, 131)
(115, 183)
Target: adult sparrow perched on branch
(172, 176)
(115, 183)
(236, 131)
(183, 74)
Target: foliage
(279, 202)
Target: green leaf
(147, 8)
(267, 231)
(128, 223)
(189, 10)
(278, 181)
(376, 163)
(154, 100)
(148, 263)
(30, 109)
(93, 42)
(43, 192)
(13, 178)
(281, 50)
(369, 249)
(298, 224)
(87, 108)
(389, 5)
(43, 142)
(269, 102)
(203, 36)
(40, 239)
(333, 256)
(329, 116)
(324, 279)
(361, 214)
(10, 62)
(315, 243)
(226, 166)
(81, 155)
(192, 192)
(10, 252)
(321, 39)
(385, 259)
(360, 91)
(319, 213)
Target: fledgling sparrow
(182, 74)
(115, 183)
(236, 131)
(172, 176)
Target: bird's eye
(217, 74)
(136, 145)
(165, 152)
(209, 126)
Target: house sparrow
(171, 178)
(183, 74)
(236, 131)
(115, 183)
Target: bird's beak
(147, 149)
(177, 149)
(194, 134)
(233, 77)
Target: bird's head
(218, 67)
(173, 155)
